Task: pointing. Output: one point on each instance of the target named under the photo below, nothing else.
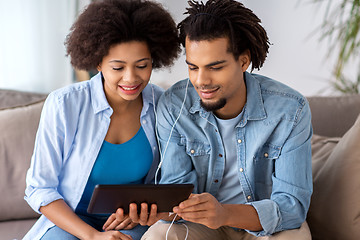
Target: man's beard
(211, 107)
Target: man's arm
(205, 209)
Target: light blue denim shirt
(73, 125)
(273, 149)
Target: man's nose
(202, 78)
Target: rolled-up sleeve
(42, 178)
(291, 182)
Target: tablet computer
(108, 198)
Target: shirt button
(216, 130)
(220, 155)
(144, 121)
(154, 147)
(192, 151)
(241, 169)
(216, 181)
(249, 197)
(266, 155)
(239, 141)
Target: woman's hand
(118, 221)
(111, 235)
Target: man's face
(217, 76)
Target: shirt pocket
(265, 166)
(195, 148)
(199, 152)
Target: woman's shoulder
(74, 90)
(70, 95)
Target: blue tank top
(126, 163)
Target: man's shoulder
(181, 91)
(179, 87)
(271, 88)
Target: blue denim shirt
(273, 149)
(73, 125)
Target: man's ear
(245, 60)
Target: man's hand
(204, 209)
(145, 218)
(118, 221)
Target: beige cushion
(15, 229)
(335, 205)
(18, 128)
(12, 98)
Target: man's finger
(123, 224)
(133, 214)
(194, 199)
(120, 216)
(153, 216)
(130, 226)
(144, 214)
(109, 221)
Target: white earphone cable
(162, 156)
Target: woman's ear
(245, 60)
(99, 68)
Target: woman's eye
(118, 69)
(142, 66)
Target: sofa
(335, 208)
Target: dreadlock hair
(226, 18)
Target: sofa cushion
(12, 98)
(335, 204)
(18, 128)
(15, 230)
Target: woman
(101, 131)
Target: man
(242, 139)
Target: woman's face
(126, 70)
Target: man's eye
(192, 68)
(216, 68)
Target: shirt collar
(148, 98)
(254, 108)
(98, 98)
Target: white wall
(32, 53)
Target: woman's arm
(62, 216)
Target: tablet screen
(108, 198)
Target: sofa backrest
(19, 119)
(333, 116)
